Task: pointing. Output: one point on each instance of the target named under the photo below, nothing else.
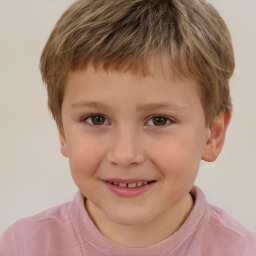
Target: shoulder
(217, 232)
(52, 217)
(43, 226)
(229, 232)
(224, 222)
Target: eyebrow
(140, 107)
(91, 104)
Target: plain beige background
(33, 174)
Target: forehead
(151, 68)
(155, 87)
(157, 67)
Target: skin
(125, 142)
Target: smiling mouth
(130, 185)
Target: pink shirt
(67, 230)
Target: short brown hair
(128, 33)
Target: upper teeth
(130, 185)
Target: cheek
(177, 158)
(85, 155)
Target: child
(139, 90)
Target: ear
(216, 138)
(63, 144)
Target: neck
(141, 236)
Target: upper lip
(127, 181)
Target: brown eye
(159, 120)
(98, 120)
(95, 120)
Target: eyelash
(168, 120)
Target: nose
(126, 149)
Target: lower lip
(128, 192)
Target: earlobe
(63, 144)
(216, 138)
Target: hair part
(188, 38)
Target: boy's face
(143, 129)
